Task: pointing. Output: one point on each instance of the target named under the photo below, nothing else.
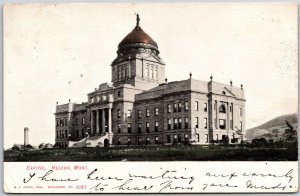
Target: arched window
(119, 73)
(125, 71)
(147, 72)
(222, 109)
(155, 73)
(223, 92)
(151, 72)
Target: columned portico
(101, 120)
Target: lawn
(155, 153)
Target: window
(119, 93)
(230, 108)
(57, 134)
(179, 123)
(186, 123)
(147, 72)
(139, 140)
(125, 70)
(156, 126)
(196, 122)
(231, 124)
(215, 105)
(119, 73)
(156, 140)
(147, 140)
(57, 123)
(119, 128)
(147, 127)
(217, 137)
(147, 112)
(156, 111)
(205, 123)
(186, 137)
(66, 122)
(129, 114)
(139, 128)
(196, 106)
(169, 108)
(76, 121)
(139, 113)
(222, 109)
(169, 124)
(175, 138)
(205, 107)
(179, 138)
(61, 122)
(222, 123)
(175, 123)
(198, 137)
(186, 105)
(129, 141)
(77, 133)
(129, 127)
(179, 106)
(83, 121)
(206, 138)
(175, 107)
(155, 73)
(241, 111)
(82, 133)
(151, 72)
(119, 113)
(168, 139)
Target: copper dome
(137, 35)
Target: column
(217, 111)
(92, 122)
(97, 122)
(103, 120)
(109, 120)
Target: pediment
(225, 91)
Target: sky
(57, 52)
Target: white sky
(60, 52)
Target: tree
(290, 134)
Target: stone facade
(140, 107)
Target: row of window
(151, 71)
(176, 139)
(64, 122)
(222, 108)
(61, 134)
(178, 107)
(122, 71)
(222, 124)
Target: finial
(190, 74)
(166, 80)
(230, 82)
(69, 100)
(57, 103)
(137, 20)
(95, 88)
(241, 86)
(211, 77)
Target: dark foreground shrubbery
(243, 152)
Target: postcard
(150, 98)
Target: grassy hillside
(273, 129)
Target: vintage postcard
(150, 98)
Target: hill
(273, 129)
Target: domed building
(140, 107)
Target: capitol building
(141, 107)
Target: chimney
(26, 136)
